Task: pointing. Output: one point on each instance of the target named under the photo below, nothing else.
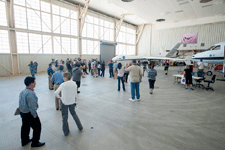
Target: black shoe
(25, 143)
(78, 91)
(57, 108)
(39, 144)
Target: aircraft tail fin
(173, 51)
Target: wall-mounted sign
(190, 38)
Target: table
(177, 77)
(181, 79)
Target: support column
(12, 37)
(79, 34)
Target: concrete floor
(173, 118)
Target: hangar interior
(172, 118)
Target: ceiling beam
(139, 32)
(118, 25)
(83, 15)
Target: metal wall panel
(5, 59)
(209, 34)
(144, 44)
(166, 39)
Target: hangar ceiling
(148, 11)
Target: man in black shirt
(188, 76)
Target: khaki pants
(57, 101)
(49, 82)
(115, 73)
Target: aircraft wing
(163, 58)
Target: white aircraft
(214, 54)
(169, 56)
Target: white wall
(144, 44)
(166, 39)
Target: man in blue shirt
(50, 73)
(115, 70)
(110, 64)
(35, 66)
(57, 78)
(32, 68)
(28, 105)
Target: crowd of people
(66, 78)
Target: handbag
(17, 112)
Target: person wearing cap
(28, 105)
(77, 75)
(57, 78)
(135, 77)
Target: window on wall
(4, 42)
(22, 42)
(57, 46)
(47, 44)
(126, 35)
(90, 47)
(36, 15)
(35, 43)
(65, 45)
(34, 21)
(123, 49)
(98, 29)
(3, 20)
(74, 46)
(20, 17)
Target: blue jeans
(134, 86)
(32, 73)
(120, 79)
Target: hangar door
(107, 51)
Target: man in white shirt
(68, 100)
(201, 68)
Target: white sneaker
(138, 100)
(131, 99)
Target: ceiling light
(205, 1)
(160, 20)
(127, 0)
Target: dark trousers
(103, 73)
(151, 83)
(111, 73)
(120, 79)
(144, 69)
(65, 117)
(126, 76)
(29, 121)
(99, 71)
(85, 70)
(89, 69)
